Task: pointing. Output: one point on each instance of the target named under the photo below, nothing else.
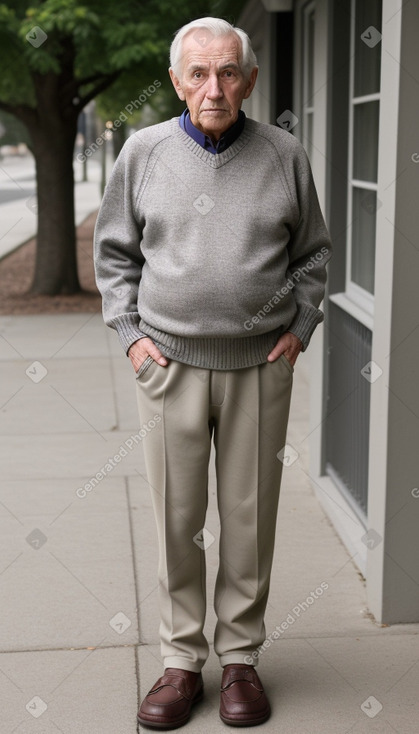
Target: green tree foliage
(56, 56)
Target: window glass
(364, 206)
(365, 141)
(367, 47)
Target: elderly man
(210, 257)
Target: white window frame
(354, 292)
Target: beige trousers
(245, 412)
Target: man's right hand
(141, 349)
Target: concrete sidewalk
(79, 634)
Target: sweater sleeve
(117, 251)
(309, 251)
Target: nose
(214, 90)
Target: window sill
(353, 309)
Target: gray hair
(216, 27)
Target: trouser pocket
(144, 367)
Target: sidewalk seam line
(137, 595)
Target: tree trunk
(56, 260)
(52, 125)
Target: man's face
(211, 82)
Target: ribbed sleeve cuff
(128, 328)
(304, 323)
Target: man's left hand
(289, 345)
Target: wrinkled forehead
(201, 47)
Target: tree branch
(25, 113)
(70, 89)
(89, 79)
(7, 108)
(104, 84)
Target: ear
(177, 85)
(251, 82)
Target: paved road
(18, 221)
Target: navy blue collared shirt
(205, 141)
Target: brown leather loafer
(168, 704)
(243, 700)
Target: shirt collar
(205, 141)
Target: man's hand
(289, 345)
(139, 351)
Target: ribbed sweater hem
(214, 353)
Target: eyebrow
(223, 67)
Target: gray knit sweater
(212, 256)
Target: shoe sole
(251, 722)
(172, 725)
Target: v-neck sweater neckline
(214, 160)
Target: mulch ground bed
(16, 274)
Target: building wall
(385, 544)
(393, 565)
